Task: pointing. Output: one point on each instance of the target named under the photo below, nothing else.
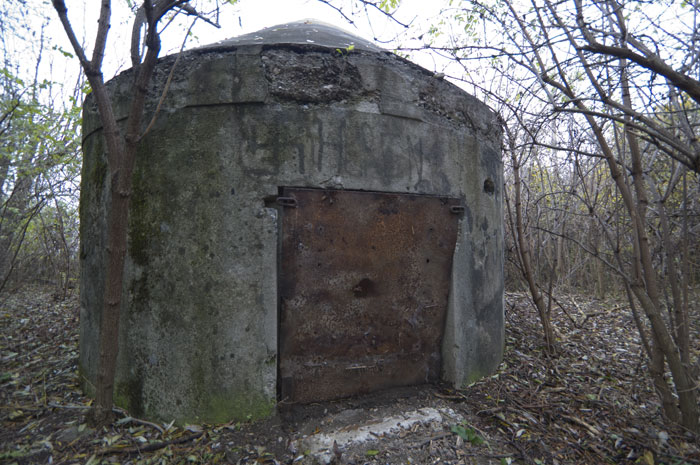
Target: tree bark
(121, 156)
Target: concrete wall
(199, 326)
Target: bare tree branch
(652, 63)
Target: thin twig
(148, 447)
(70, 407)
(167, 82)
(427, 441)
(139, 421)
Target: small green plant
(468, 433)
(345, 51)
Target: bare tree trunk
(121, 155)
(647, 290)
(121, 176)
(526, 260)
(678, 311)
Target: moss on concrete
(98, 174)
(222, 408)
(479, 373)
(93, 175)
(94, 172)
(142, 225)
(473, 377)
(128, 395)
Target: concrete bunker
(312, 216)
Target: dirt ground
(590, 404)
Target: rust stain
(364, 284)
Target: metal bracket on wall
(290, 202)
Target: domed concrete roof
(305, 32)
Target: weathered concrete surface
(198, 335)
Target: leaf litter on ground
(591, 403)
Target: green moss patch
(222, 408)
(128, 395)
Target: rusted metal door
(364, 282)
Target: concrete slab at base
(323, 446)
